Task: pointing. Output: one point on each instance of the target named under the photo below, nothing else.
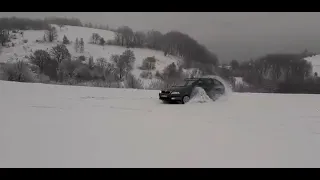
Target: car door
(200, 83)
(218, 86)
(207, 85)
(210, 84)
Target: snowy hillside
(66, 126)
(21, 49)
(239, 81)
(315, 61)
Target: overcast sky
(231, 35)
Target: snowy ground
(67, 126)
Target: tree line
(172, 43)
(278, 73)
(57, 65)
(96, 26)
(63, 21)
(13, 23)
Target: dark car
(182, 94)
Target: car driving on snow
(212, 86)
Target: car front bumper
(170, 97)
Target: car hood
(176, 88)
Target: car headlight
(175, 93)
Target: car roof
(191, 79)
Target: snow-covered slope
(315, 61)
(239, 81)
(21, 49)
(73, 32)
(66, 126)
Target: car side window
(203, 83)
(210, 81)
(217, 83)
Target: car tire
(185, 99)
(214, 95)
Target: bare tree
(146, 74)
(91, 63)
(18, 71)
(128, 58)
(123, 63)
(60, 53)
(148, 63)
(4, 37)
(102, 42)
(81, 45)
(133, 82)
(44, 38)
(81, 58)
(109, 73)
(118, 38)
(39, 58)
(139, 39)
(76, 45)
(51, 34)
(170, 73)
(126, 35)
(153, 39)
(119, 66)
(234, 64)
(101, 63)
(65, 40)
(95, 38)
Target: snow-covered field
(67, 126)
(21, 49)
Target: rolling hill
(21, 48)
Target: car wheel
(214, 95)
(185, 99)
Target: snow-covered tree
(65, 40)
(76, 45)
(123, 63)
(81, 45)
(60, 53)
(102, 41)
(39, 58)
(51, 34)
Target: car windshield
(189, 82)
(186, 82)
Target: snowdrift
(199, 95)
